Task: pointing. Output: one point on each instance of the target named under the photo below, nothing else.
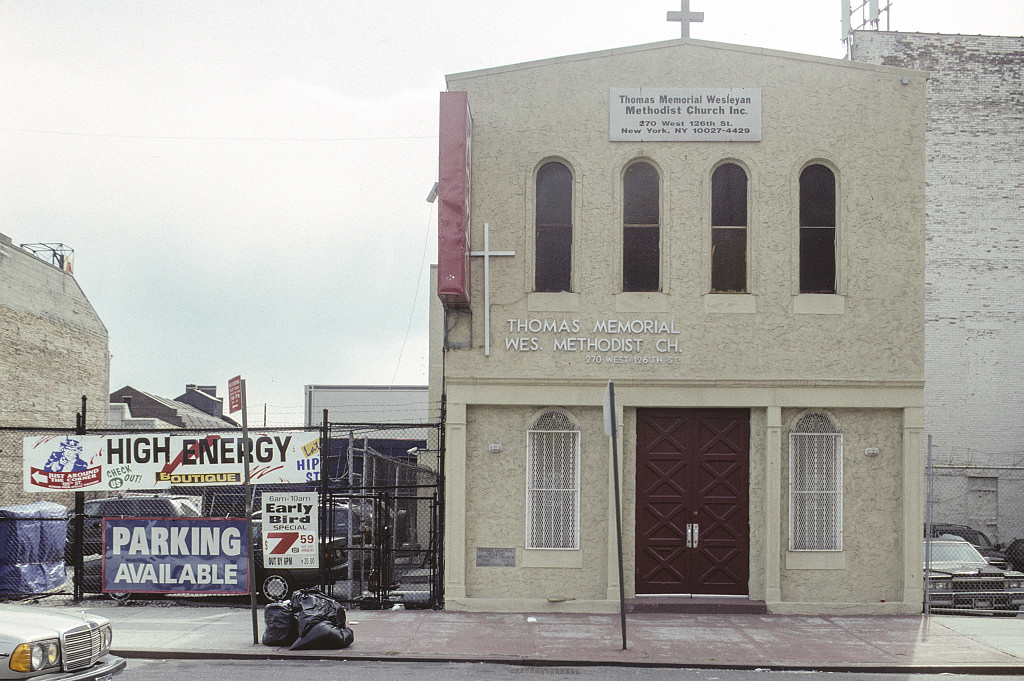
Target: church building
(716, 253)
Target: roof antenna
(869, 20)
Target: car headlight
(1015, 584)
(940, 585)
(108, 637)
(32, 657)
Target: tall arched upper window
(729, 229)
(816, 485)
(817, 230)
(553, 270)
(641, 230)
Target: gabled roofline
(672, 44)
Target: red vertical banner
(453, 192)
(235, 394)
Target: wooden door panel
(692, 469)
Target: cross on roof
(684, 16)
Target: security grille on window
(816, 485)
(553, 487)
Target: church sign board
(658, 114)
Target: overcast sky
(243, 182)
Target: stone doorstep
(696, 605)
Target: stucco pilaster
(614, 550)
(773, 505)
(455, 548)
(913, 508)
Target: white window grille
(816, 485)
(553, 483)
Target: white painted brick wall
(974, 296)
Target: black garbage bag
(320, 621)
(312, 605)
(282, 629)
(324, 635)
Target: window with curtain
(641, 230)
(553, 228)
(729, 229)
(817, 230)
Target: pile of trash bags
(311, 620)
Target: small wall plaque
(487, 557)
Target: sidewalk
(827, 643)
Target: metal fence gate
(387, 492)
(380, 515)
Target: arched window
(641, 231)
(553, 269)
(729, 229)
(817, 230)
(816, 485)
(553, 482)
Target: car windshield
(954, 552)
(974, 536)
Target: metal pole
(78, 524)
(618, 507)
(248, 519)
(928, 528)
(326, 560)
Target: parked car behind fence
(958, 580)
(976, 538)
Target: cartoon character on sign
(67, 458)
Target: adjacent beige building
(734, 238)
(54, 351)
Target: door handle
(692, 535)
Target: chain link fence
(377, 489)
(977, 498)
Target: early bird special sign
(659, 114)
(290, 529)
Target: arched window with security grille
(553, 482)
(816, 484)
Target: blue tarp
(32, 538)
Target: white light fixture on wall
(494, 449)
(871, 451)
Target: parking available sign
(291, 530)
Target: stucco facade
(766, 355)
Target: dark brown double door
(692, 525)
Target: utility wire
(415, 296)
(200, 138)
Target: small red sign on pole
(235, 394)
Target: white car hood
(27, 623)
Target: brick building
(974, 331)
(55, 350)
